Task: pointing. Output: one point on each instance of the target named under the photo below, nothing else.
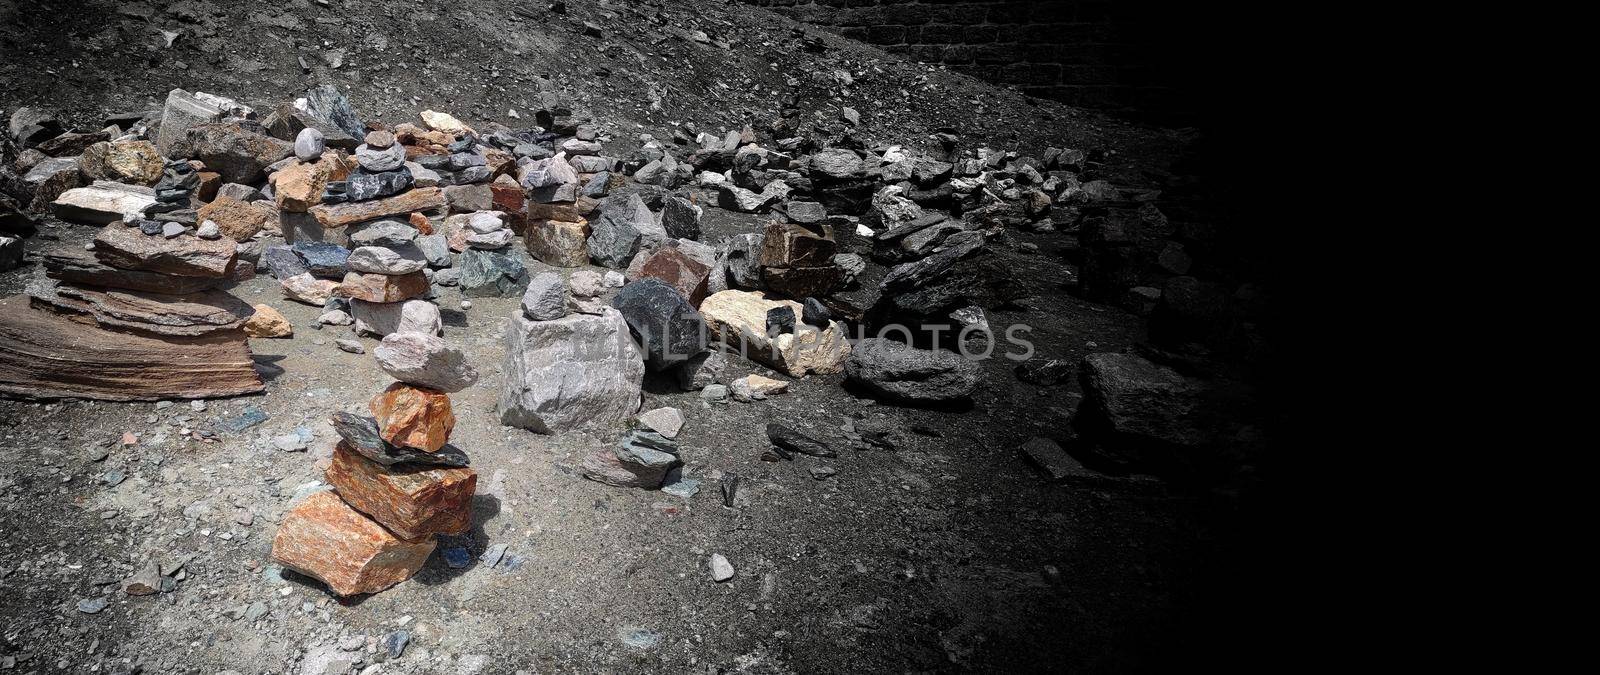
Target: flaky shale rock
(403, 204)
(739, 319)
(324, 538)
(44, 354)
(565, 373)
(184, 255)
(413, 417)
(411, 501)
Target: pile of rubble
(393, 483)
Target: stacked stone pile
(394, 482)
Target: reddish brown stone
(210, 182)
(382, 287)
(421, 222)
(326, 539)
(801, 282)
(413, 501)
(687, 275)
(509, 197)
(414, 417)
(795, 245)
(339, 164)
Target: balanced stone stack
(486, 268)
(557, 231)
(385, 280)
(138, 318)
(569, 361)
(395, 481)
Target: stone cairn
(137, 314)
(395, 482)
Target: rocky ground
(939, 549)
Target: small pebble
(721, 569)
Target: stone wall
(1112, 56)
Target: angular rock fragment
(625, 226)
(326, 539)
(268, 323)
(413, 417)
(184, 110)
(672, 265)
(640, 460)
(565, 373)
(299, 186)
(308, 289)
(360, 434)
(546, 298)
(1143, 412)
(668, 328)
(411, 501)
(385, 260)
(381, 319)
(103, 202)
(425, 361)
(680, 218)
(488, 274)
(900, 372)
(794, 441)
(558, 243)
(238, 220)
(238, 154)
(739, 319)
(665, 421)
(382, 287)
(133, 162)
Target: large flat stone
(184, 255)
(77, 266)
(101, 203)
(739, 320)
(185, 315)
(350, 213)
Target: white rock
(665, 421)
(426, 361)
(721, 569)
(569, 372)
(381, 260)
(739, 319)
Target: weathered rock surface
(239, 221)
(134, 162)
(671, 264)
(103, 202)
(903, 373)
(385, 260)
(426, 361)
(624, 227)
(740, 318)
(186, 256)
(680, 218)
(546, 298)
(667, 326)
(238, 154)
(1142, 411)
(382, 287)
(308, 289)
(411, 501)
(350, 213)
(77, 266)
(640, 460)
(381, 319)
(413, 417)
(326, 539)
(360, 434)
(559, 243)
(46, 355)
(185, 110)
(487, 274)
(268, 323)
(299, 186)
(565, 373)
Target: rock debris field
(333, 381)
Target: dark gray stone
(780, 320)
(814, 313)
(680, 218)
(793, 441)
(322, 259)
(361, 434)
(903, 373)
(488, 274)
(669, 329)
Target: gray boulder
(680, 218)
(624, 227)
(572, 371)
(425, 361)
(488, 274)
(546, 298)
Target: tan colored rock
(134, 162)
(308, 289)
(413, 417)
(299, 186)
(421, 222)
(324, 538)
(239, 221)
(558, 242)
(444, 122)
(342, 215)
(739, 319)
(382, 287)
(339, 164)
(413, 501)
(569, 211)
(268, 323)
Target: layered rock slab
(326, 539)
(409, 500)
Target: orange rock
(509, 197)
(325, 539)
(238, 220)
(334, 216)
(268, 323)
(382, 288)
(339, 164)
(559, 243)
(412, 416)
(413, 501)
(299, 186)
(422, 224)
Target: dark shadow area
(474, 542)
(454, 318)
(267, 366)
